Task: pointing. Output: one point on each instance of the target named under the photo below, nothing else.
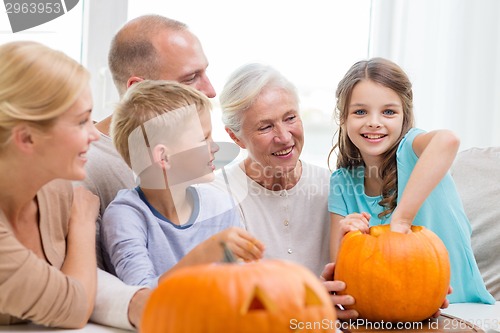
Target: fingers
(327, 274)
(244, 245)
(341, 301)
(355, 221)
(85, 204)
(346, 314)
(400, 227)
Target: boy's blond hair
(145, 117)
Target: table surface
(486, 317)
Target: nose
(282, 135)
(206, 87)
(374, 122)
(93, 132)
(213, 147)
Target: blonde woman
(47, 229)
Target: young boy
(162, 129)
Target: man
(148, 47)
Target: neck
(373, 181)
(175, 205)
(279, 179)
(18, 187)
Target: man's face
(183, 60)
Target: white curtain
(451, 51)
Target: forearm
(117, 304)
(80, 261)
(433, 164)
(335, 235)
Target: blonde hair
(244, 87)
(38, 84)
(390, 75)
(149, 104)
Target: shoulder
(409, 137)
(315, 176)
(213, 199)
(315, 170)
(57, 195)
(126, 200)
(58, 188)
(345, 175)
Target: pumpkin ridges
(391, 263)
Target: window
(312, 43)
(64, 33)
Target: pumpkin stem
(228, 254)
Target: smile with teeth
(283, 152)
(373, 136)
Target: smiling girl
(390, 172)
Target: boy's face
(192, 157)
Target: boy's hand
(241, 243)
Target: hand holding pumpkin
(401, 222)
(334, 287)
(355, 221)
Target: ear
(22, 137)
(235, 138)
(160, 156)
(133, 80)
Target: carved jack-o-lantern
(265, 296)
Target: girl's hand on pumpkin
(333, 287)
(354, 222)
(401, 226)
(242, 244)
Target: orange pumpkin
(393, 276)
(265, 296)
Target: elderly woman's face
(272, 131)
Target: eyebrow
(385, 105)
(270, 120)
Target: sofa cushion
(476, 172)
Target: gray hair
(244, 87)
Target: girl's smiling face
(375, 120)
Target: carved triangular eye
(258, 301)
(312, 298)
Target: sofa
(476, 173)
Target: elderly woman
(282, 199)
(47, 229)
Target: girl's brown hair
(390, 75)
